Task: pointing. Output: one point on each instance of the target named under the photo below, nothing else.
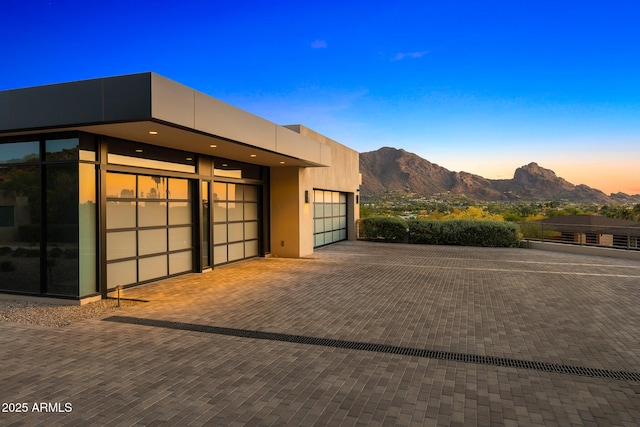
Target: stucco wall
(288, 186)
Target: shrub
(464, 233)
(26, 253)
(389, 229)
(55, 252)
(5, 250)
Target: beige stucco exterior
(291, 217)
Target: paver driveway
(191, 365)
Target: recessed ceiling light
(253, 155)
(153, 132)
(189, 158)
(282, 163)
(224, 164)
(213, 146)
(139, 150)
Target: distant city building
(126, 180)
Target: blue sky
(476, 86)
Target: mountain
(390, 169)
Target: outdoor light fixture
(306, 196)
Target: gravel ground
(34, 313)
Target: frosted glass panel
(319, 225)
(236, 232)
(328, 237)
(151, 268)
(328, 224)
(336, 235)
(121, 185)
(336, 223)
(180, 262)
(343, 222)
(318, 196)
(219, 233)
(250, 211)
(343, 198)
(87, 227)
(235, 211)
(121, 245)
(319, 239)
(235, 191)
(178, 188)
(251, 248)
(343, 234)
(220, 254)
(335, 197)
(121, 214)
(152, 214)
(220, 211)
(179, 213)
(236, 251)
(335, 209)
(250, 230)
(152, 187)
(219, 191)
(250, 193)
(327, 209)
(179, 238)
(152, 241)
(343, 209)
(318, 210)
(121, 273)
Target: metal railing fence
(617, 237)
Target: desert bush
(464, 233)
(389, 229)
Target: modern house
(126, 180)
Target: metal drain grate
(384, 348)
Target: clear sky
(476, 86)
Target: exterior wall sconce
(306, 196)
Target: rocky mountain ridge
(391, 169)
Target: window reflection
(20, 152)
(20, 242)
(121, 185)
(61, 149)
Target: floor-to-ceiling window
(48, 230)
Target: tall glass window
(20, 239)
(56, 253)
(62, 229)
(206, 226)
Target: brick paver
(514, 303)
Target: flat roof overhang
(152, 109)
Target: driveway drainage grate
(384, 348)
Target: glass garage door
(329, 217)
(149, 228)
(235, 222)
